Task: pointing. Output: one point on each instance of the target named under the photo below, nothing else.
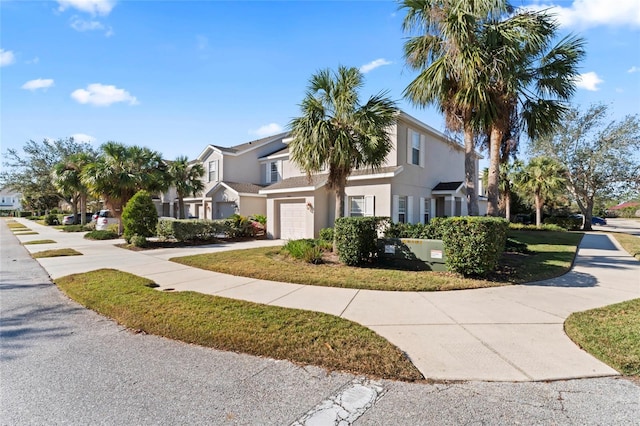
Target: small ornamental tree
(139, 217)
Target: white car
(104, 219)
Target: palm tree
(187, 178)
(542, 177)
(508, 173)
(448, 55)
(67, 178)
(337, 132)
(120, 171)
(527, 78)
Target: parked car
(69, 219)
(595, 220)
(104, 219)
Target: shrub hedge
(473, 245)
(326, 234)
(568, 223)
(192, 229)
(139, 216)
(356, 239)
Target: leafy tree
(447, 53)
(542, 177)
(187, 178)
(600, 156)
(120, 171)
(29, 171)
(337, 132)
(67, 179)
(140, 217)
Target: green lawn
(611, 334)
(39, 242)
(56, 253)
(300, 336)
(630, 243)
(551, 254)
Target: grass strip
(16, 225)
(303, 337)
(611, 334)
(628, 242)
(38, 242)
(28, 232)
(551, 254)
(56, 253)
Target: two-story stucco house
(10, 200)
(422, 177)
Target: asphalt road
(63, 364)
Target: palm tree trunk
(493, 185)
(538, 211)
(470, 172)
(507, 205)
(339, 211)
(180, 207)
(83, 208)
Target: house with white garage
(233, 178)
(422, 177)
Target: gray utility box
(429, 253)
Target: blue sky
(176, 76)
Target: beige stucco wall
(253, 205)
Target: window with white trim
(415, 148)
(273, 170)
(213, 171)
(402, 209)
(425, 210)
(360, 205)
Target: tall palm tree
(337, 132)
(542, 177)
(67, 177)
(120, 171)
(508, 172)
(448, 54)
(187, 178)
(528, 78)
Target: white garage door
(292, 221)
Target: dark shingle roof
(319, 180)
(247, 145)
(244, 187)
(447, 186)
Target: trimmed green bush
(101, 235)
(357, 239)
(192, 230)
(568, 223)
(473, 245)
(139, 241)
(547, 227)
(326, 234)
(139, 216)
(51, 219)
(412, 230)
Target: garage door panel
(292, 221)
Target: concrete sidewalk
(512, 333)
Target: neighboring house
(10, 200)
(234, 176)
(422, 177)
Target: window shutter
(263, 173)
(369, 205)
(394, 208)
(279, 167)
(218, 174)
(347, 209)
(409, 146)
(409, 209)
(422, 210)
(423, 150)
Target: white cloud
(39, 83)
(83, 137)
(34, 60)
(103, 95)
(589, 81)
(633, 69)
(94, 7)
(82, 25)
(373, 65)
(592, 13)
(6, 57)
(267, 130)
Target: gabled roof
(242, 148)
(303, 183)
(624, 205)
(240, 188)
(448, 187)
(277, 153)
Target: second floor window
(415, 149)
(402, 210)
(213, 171)
(273, 170)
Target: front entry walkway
(512, 333)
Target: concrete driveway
(511, 333)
